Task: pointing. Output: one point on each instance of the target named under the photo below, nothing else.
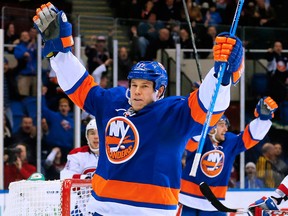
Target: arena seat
(30, 106)
(18, 112)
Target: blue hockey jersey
(216, 164)
(139, 168)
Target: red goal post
(48, 198)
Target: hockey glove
(228, 49)
(265, 108)
(55, 29)
(265, 203)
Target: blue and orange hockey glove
(228, 49)
(265, 108)
(55, 29)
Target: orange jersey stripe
(82, 90)
(191, 145)
(198, 114)
(247, 139)
(136, 192)
(67, 41)
(237, 74)
(192, 188)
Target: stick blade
(206, 191)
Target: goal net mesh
(48, 198)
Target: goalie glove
(265, 108)
(55, 29)
(228, 49)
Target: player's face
(93, 138)
(221, 131)
(141, 93)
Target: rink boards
(234, 199)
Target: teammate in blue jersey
(142, 136)
(218, 155)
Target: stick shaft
(215, 94)
(210, 196)
(193, 41)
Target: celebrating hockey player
(142, 136)
(82, 162)
(219, 152)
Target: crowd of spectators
(255, 12)
(20, 112)
(57, 122)
(264, 168)
(158, 25)
(150, 16)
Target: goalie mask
(91, 126)
(213, 131)
(152, 71)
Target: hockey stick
(214, 97)
(275, 212)
(206, 191)
(193, 41)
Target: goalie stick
(207, 192)
(223, 66)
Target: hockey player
(82, 162)
(142, 138)
(218, 155)
(272, 202)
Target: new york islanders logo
(212, 163)
(122, 140)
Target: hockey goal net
(47, 198)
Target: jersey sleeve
(81, 87)
(255, 132)
(199, 100)
(72, 77)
